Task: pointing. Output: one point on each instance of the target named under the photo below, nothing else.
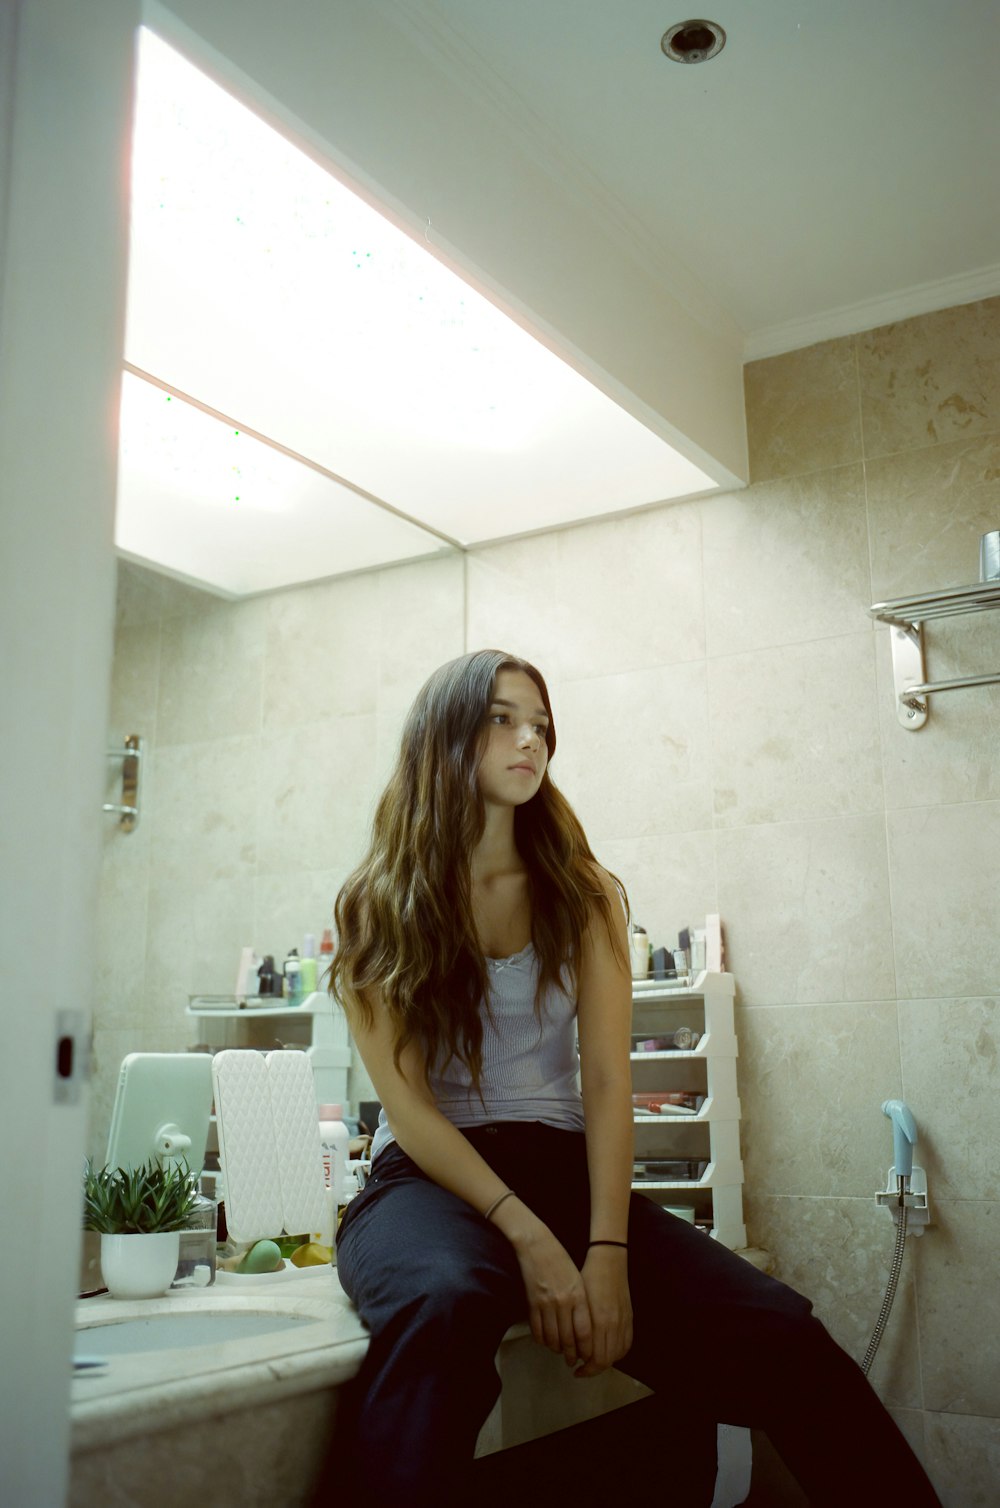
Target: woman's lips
(529, 769)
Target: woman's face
(514, 753)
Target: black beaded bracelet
(622, 1244)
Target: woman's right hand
(558, 1308)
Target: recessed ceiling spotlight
(693, 41)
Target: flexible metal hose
(890, 1290)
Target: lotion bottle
(309, 968)
(334, 1138)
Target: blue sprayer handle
(904, 1135)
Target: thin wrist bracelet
(622, 1244)
(497, 1203)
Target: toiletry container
(325, 957)
(639, 942)
(196, 1254)
(269, 979)
(293, 978)
(309, 966)
(334, 1139)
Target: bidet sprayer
(904, 1136)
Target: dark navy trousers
(716, 1340)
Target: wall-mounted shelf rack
(906, 617)
(709, 1140)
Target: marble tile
(786, 562)
(211, 673)
(193, 939)
(316, 795)
(388, 736)
(931, 379)
(812, 1080)
(927, 510)
(420, 625)
(670, 884)
(514, 602)
(287, 906)
(202, 816)
(137, 601)
(619, 595)
(945, 868)
(963, 1459)
(110, 1046)
(121, 933)
(134, 681)
(252, 1457)
(321, 659)
(837, 1252)
(630, 592)
(803, 411)
(632, 752)
(795, 732)
(955, 756)
(949, 1052)
(805, 906)
(959, 1304)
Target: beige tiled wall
(727, 734)
(268, 726)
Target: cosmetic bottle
(310, 968)
(334, 1138)
(293, 978)
(639, 944)
(269, 979)
(325, 958)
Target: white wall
(62, 186)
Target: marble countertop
(146, 1391)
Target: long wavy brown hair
(407, 940)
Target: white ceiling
(835, 167)
(837, 161)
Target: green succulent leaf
(128, 1201)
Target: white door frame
(66, 78)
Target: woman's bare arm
(604, 1006)
(557, 1303)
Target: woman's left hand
(605, 1278)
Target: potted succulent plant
(139, 1213)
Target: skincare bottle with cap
(325, 958)
(639, 943)
(293, 978)
(309, 967)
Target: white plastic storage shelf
(708, 1141)
(329, 1049)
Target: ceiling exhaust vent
(693, 41)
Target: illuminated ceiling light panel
(220, 508)
(269, 291)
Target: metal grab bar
(128, 809)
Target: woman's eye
(498, 717)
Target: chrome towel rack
(131, 758)
(906, 617)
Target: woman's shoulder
(606, 885)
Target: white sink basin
(168, 1332)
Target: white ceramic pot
(139, 1266)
